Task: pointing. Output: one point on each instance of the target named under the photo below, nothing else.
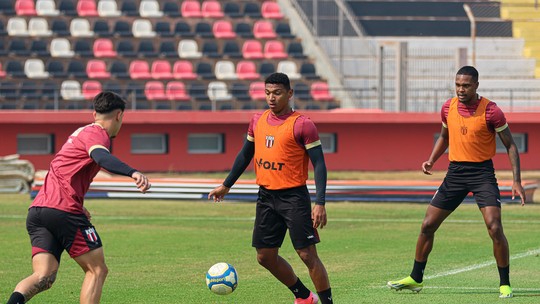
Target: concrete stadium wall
(365, 141)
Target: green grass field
(159, 251)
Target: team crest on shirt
(463, 130)
(269, 141)
(91, 234)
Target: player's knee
(309, 257)
(428, 228)
(45, 281)
(495, 230)
(265, 259)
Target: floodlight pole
(470, 15)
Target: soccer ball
(222, 278)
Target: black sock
(16, 298)
(418, 271)
(299, 290)
(326, 296)
(504, 274)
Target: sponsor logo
(270, 141)
(269, 165)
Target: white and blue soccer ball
(222, 278)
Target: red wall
(365, 141)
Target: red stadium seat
(155, 90)
(176, 90)
(97, 68)
(87, 8)
(264, 29)
(223, 29)
(246, 69)
(191, 9)
(274, 49)
(211, 9)
(271, 10)
(252, 49)
(90, 88)
(139, 69)
(103, 47)
(256, 90)
(183, 69)
(161, 69)
(320, 91)
(2, 72)
(25, 8)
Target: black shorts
(463, 178)
(279, 210)
(53, 230)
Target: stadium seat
(90, 88)
(243, 30)
(183, 29)
(176, 90)
(129, 8)
(231, 49)
(161, 69)
(9, 90)
(247, 70)
(142, 28)
(35, 69)
(283, 30)
(3, 31)
(150, 9)
(167, 49)
(225, 70)
(3, 51)
(204, 70)
(87, 8)
(191, 9)
(302, 91)
(101, 28)
(29, 91)
(271, 10)
(266, 68)
(71, 90)
(203, 30)
(49, 91)
(60, 28)
(7, 8)
(80, 27)
(188, 48)
(83, 48)
(274, 49)
(135, 90)
(97, 69)
(211, 9)
(18, 47)
(125, 48)
(223, 29)
(146, 49)
(122, 29)
(183, 69)
(264, 29)
(308, 71)
(60, 47)
(2, 72)
(252, 10)
(39, 48)
(155, 90)
(218, 91)
(104, 47)
(56, 69)
(139, 69)
(320, 91)
(252, 49)
(16, 26)
(257, 90)
(25, 8)
(163, 29)
(232, 9)
(289, 67)
(198, 91)
(113, 86)
(67, 8)
(46, 8)
(171, 9)
(76, 69)
(119, 70)
(108, 8)
(210, 49)
(295, 50)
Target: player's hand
(517, 188)
(87, 213)
(318, 216)
(426, 167)
(218, 193)
(141, 181)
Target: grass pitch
(158, 251)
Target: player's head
(469, 70)
(466, 84)
(109, 111)
(277, 88)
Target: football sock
(418, 271)
(299, 290)
(504, 274)
(16, 298)
(326, 296)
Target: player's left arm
(513, 154)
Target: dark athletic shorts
(52, 231)
(463, 178)
(279, 210)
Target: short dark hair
(106, 102)
(470, 71)
(279, 78)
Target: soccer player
(57, 219)
(469, 125)
(282, 141)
